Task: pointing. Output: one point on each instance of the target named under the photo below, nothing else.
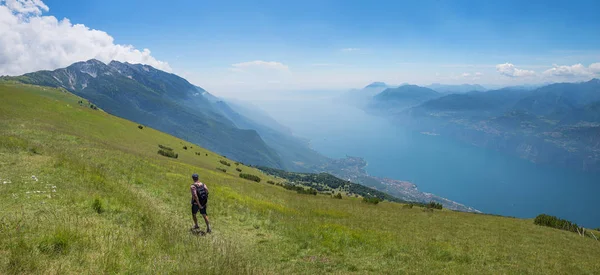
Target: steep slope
(589, 113)
(161, 100)
(295, 153)
(103, 201)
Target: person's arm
(206, 187)
(195, 195)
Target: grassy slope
(259, 228)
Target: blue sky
(343, 44)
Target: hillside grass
(106, 202)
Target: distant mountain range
(557, 124)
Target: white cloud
(349, 49)
(259, 64)
(577, 70)
(466, 74)
(595, 68)
(508, 69)
(30, 41)
(26, 6)
(478, 74)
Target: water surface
(487, 180)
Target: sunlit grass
(106, 202)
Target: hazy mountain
(490, 102)
(557, 123)
(160, 100)
(256, 114)
(294, 152)
(560, 98)
(400, 98)
(381, 85)
(456, 89)
(362, 97)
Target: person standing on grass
(199, 201)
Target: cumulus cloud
(26, 6)
(30, 41)
(595, 68)
(350, 49)
(508, 69)
(577, 70)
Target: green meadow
(82, 191)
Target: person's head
(195, 177)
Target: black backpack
(202, 194)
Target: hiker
(199, 201)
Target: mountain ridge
(162, 100)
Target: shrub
(184, 147)
(371, 200)
(552, 221)
(207, 155)
(238, 169)
(97, 206)
(237, 163)
(168, 153)
(165, 147)
(271, 182)
(300, 190)
(408, 206)
(222, 170)
(434, 205)
(33, 150)
(225, 163)
(250, 177)
(338, 196)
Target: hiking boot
(195, 227)
(208, 230)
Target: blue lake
(490, 181)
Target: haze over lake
(490, 181)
